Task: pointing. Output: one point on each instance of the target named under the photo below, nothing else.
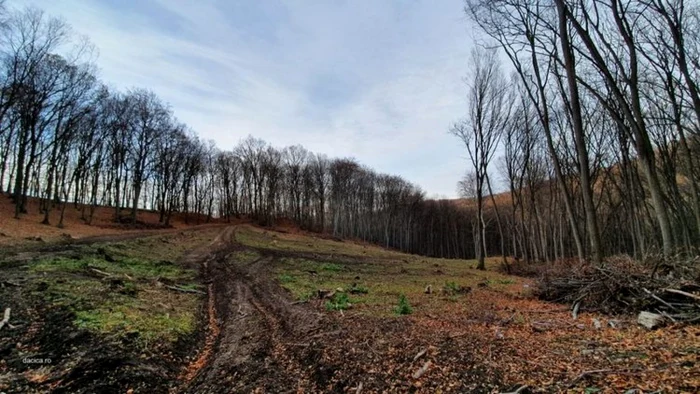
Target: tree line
(599, 126)
(75, 143)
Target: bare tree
(489, 109)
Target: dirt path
(254, 331)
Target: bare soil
(260, 340)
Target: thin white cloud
(380, 81)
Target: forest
(138, 256)
(594, 136)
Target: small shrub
(404, 308)
(339, 302)
(451, 287)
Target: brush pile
(623, 285)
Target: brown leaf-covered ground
(26, 229)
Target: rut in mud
(255, 332)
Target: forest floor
(236, 309)
(28, 229)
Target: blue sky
(380, 81)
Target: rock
(429, 289)
(650, 320)
(597, 324)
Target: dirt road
(255, 334)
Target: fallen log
(422, 370)
(5, 319)
(183, 290)
(420, 354)
(519, 389)
(100, 272)
(683, 293)
(654, 296)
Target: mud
(257, 328)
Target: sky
(380, 81)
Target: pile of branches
(623, 285)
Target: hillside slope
(13, 231)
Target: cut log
(5, 318)
(650, 320)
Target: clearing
(236, 308)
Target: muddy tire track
(253, 330)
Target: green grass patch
(127, 303)
(373, 277)
(285, 278)
(125, 319)
(137, 268)
(339, 302)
